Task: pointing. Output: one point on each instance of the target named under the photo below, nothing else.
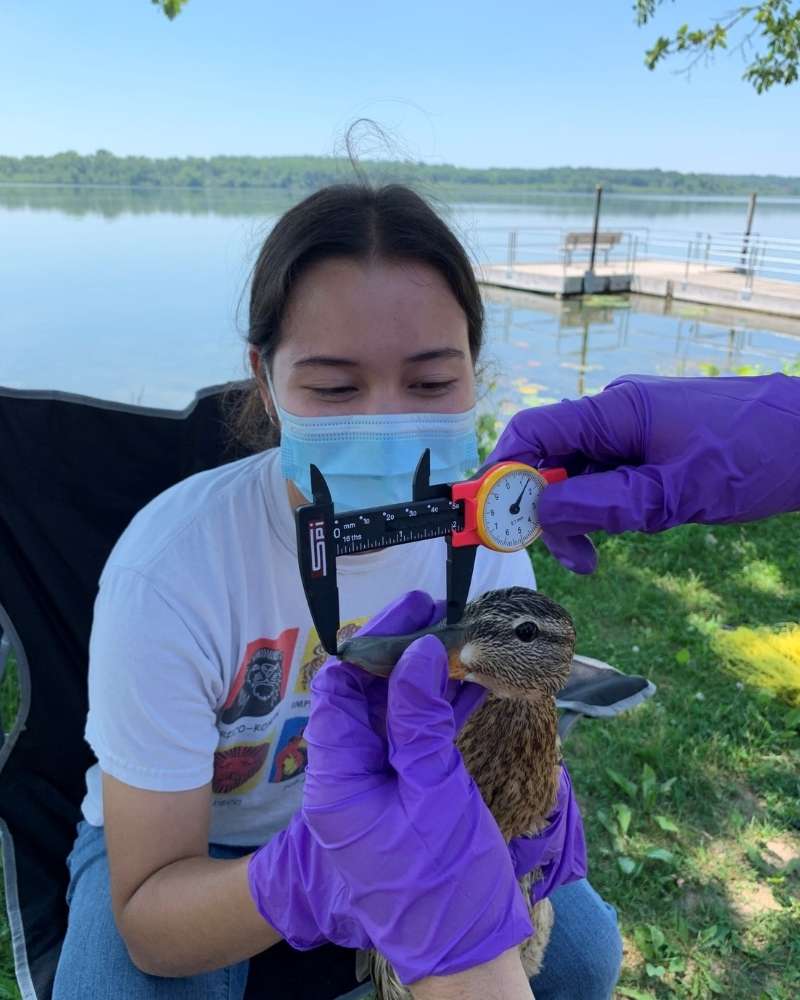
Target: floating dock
(667, 279)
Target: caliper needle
(514, 508)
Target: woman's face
(377, 337)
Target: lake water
(133, 296)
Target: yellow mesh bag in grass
(768, 657)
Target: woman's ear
(255, 365)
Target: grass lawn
(692, 802)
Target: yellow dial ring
(493, 477)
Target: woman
(365, 329)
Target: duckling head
(516, 642)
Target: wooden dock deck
(670, 279)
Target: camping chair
(73, 472)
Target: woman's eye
(434, 388)
(333, 391)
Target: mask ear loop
(272, 406)
(273, 409)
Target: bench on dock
(583, 241)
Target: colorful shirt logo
(260, 682)
(237, 768)
(291, 753)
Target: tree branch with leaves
(170, 7)
(771, 33)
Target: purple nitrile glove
(424, 868)
(293, 879)
(559, 849)
(649, 453)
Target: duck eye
(526, 631)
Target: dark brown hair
(358, 221)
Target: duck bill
(379, 653)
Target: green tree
(170, 7)
(770, 30)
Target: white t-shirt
(202, 645)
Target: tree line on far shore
(286, 173)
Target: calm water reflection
(774, 216)
(541, 350)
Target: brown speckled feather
(511, 749)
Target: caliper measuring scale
(497, 509)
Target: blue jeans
(582, 961)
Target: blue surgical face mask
(368, 460)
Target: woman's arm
(501, 979)
(179, 912)
(182, 913)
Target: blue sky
(526, 83)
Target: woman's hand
(650, 453)
(393, 847)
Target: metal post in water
(512, 252)
(751, 211)
(597, 198)
(584, 352)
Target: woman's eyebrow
(323, 359)
(334, 362)
(435, 355)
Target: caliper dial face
(507, 507)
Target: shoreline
(456, 194)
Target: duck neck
(511, 749)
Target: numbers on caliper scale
(396, 525)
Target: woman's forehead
(397, 310)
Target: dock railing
(524, 245)
(752, 256)
(551, 244)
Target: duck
(518, 644)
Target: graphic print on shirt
(260, 681)
(314, 654)
(237, 768)
(291, 751)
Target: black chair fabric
(73, 472)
